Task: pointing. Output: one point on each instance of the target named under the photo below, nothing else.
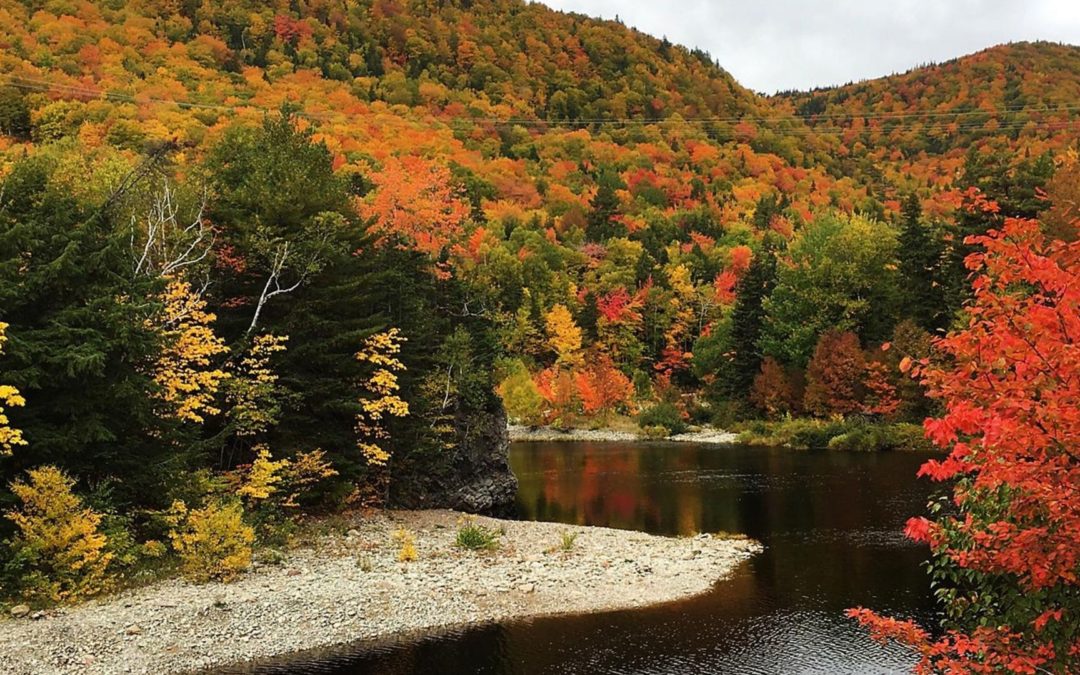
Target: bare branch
(167, 246)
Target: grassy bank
(858, 435)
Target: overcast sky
(770, 45)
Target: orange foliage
(415, 206)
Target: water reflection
(831, 525)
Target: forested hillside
(262, 256)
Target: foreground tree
(1005, 555)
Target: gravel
(352, 587)
(705, 435)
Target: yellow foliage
(282, 481)
(213, 542)
(252, 394)
(58, 539)
(406, 545)
(307, 469)
(380, 350)
(154, 549)
(564, 336)
(265, 474)
(183, 371)
(9, 398)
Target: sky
(773, 45)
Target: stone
(19, 611)
(37, 616)
(133, 629)
(527, 588)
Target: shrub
(854, 434)
(476, 537)
(213, 542)
(655, 433)
(406, 542)
(868, 438)
(726, 413)
(664, 414)
(59, 553)
(568, 540)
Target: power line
(909, 119)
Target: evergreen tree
(601, 224)
(588, 317)
(80, 350)
(748, 320)
(920, 256)
(1017, 191)
(279, 205)
(327, 323)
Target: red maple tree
(1009, 544)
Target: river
(831, 524)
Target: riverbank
(551, 434)
(352, 587)
(852, 435)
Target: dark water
(831, 524)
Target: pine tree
(327, 323)
(587, 318)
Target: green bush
(475, 537)
(853, 434)
(868, 438)
(663, 414)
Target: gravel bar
(352, 587)
(705, 436)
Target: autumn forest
(265, 263)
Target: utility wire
(904, 119)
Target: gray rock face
(474, 476)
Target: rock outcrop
(473, 476)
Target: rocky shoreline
(704, 435)
(352, 587)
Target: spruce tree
(80, 350)
(601, 224)
(748, 320)
(920, 257)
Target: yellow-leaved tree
(280, 482)
(380, 399)
(9, 397)
(252, 393)
(564, 336)
(185, 373)
(59, 550)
